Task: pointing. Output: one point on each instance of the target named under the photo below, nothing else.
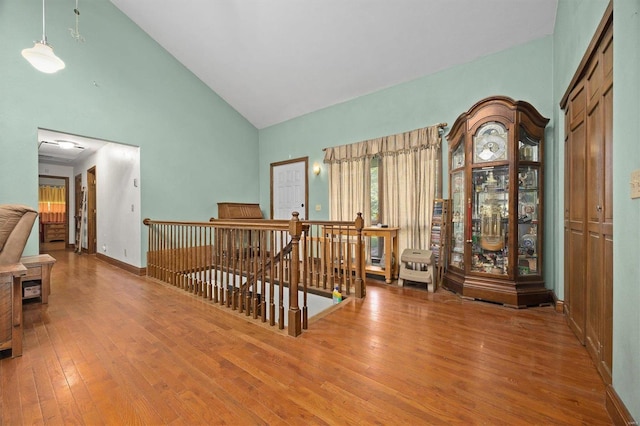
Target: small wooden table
(390, 235)
(39, 268)
(11, 307)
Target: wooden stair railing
(247, 265)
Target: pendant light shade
(41, 55)
(42, 58)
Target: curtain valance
(424, 138)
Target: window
(376, 247)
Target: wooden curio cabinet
(496, 152)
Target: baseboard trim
(617, 410)
(122, 265)
(557, 303)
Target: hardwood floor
(115, 348)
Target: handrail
(247, 264)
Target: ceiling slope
(278, 59)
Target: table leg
(395, 256)
(16, 329)
(388, 268)
(45, 288)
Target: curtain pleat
(408, 166)
(409, 162)
(349, 184)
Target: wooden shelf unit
(54, 232)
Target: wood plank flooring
(114, 348)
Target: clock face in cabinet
(490, 143)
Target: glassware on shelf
(528, 146)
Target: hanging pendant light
(41, 55)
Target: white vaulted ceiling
(273, 60)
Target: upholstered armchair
(16, 222)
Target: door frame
(92, 210)
(77, 215)
(274, 167)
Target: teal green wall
(195, 149)
(626, 231)
(523, 73)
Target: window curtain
(409, 165)
(349, 183)
(52, 204)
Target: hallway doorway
(53, 211)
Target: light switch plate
(635, 184)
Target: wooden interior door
(575, 176)
(599, 208)
(589, 200)
(91, 211)
(289, 188)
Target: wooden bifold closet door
(589, 201)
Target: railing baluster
(281, 268)
(272, 276)
(360, 283)
(305, 277)
(216, 264)
(246, 266)
(264, 255)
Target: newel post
(360, 284)
(295, 316)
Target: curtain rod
(440, 125)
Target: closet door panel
(594, 295)
(576, 284)
(589, 201)
(567, 227)
(594, 208)
(576, 154)
(605, 366)
(606, 225)
(576, 199)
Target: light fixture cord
(76, 33)
(44, 34)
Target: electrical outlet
(318, 207)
